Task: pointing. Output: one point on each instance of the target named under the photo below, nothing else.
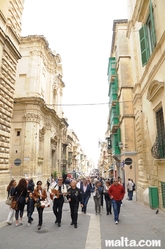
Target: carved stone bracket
(53, 144)
(48, 126)
(42, 133)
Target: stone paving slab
(137, 222)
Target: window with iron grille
(163, 193)
(160, 133)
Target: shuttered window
(163, 193)
(160, 132)
(144, 45)
(147, 37)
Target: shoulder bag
(9, 200)
(14, 203)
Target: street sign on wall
(17, 162)
(128, 161)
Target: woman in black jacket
(20, 194)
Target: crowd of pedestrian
(65, 189)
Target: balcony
(113, 91)
(111, 69)
(116, 138)
(158, 149)
(114, 117)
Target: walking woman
(10, 190)
(20, 194)
(107, 198)
(39, 195)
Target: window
(160, 133)
(147, 37)
(163, 193)
(18, 133)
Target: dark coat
(20, 196)
(30, 205)
(75, 196)
(87, 192)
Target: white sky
(81, 32)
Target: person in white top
(57, 192)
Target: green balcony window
(116, 138)
(111, 68)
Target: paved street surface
(137, 222)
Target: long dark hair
(10, 184)
(22, 185)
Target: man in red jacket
(116, 193)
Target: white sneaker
(28, 224)
(116, 222)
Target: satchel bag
(9, 200)
(14, 204)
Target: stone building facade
(77, 161)
(122, 119)
(10, 29)
(146, 34)
(38, 129)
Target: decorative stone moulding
(154, 89)
(32, 117)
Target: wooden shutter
(144, 45)
(153, 33)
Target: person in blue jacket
(85, 190)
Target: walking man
(57, 192)
(85, 190)
(116, 193)
(74, 197)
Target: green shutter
(144, 45)
(153, 35)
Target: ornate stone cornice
(38, 102)
(50, 59)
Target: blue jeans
(85, 202)
(130, 194)
(116, 209)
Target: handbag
(14, 203)
(45, 203)
(9, 200)
(37, 203)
